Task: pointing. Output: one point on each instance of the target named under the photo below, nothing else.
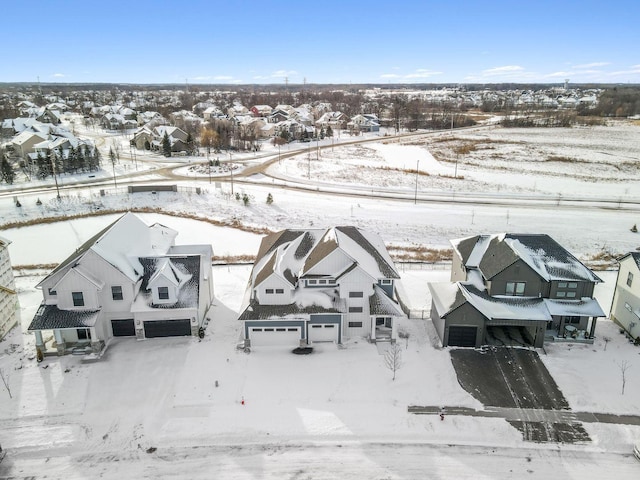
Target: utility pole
(415, 198)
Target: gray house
(512, 288)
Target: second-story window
(163, 293)
(629, 279)
(567, 290)
(515, 289)
(116, 292)
(78, 299)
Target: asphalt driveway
(516, 378)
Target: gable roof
(635, 256)
(120, 243)
(491, 254)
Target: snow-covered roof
(491, 254)
(449, 296)
(49, 317)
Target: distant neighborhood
(33, 144)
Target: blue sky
(326, 41)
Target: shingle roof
(381, 304)
(49, 317)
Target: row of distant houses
(317, 285)
(30, 137)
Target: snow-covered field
(335, 413)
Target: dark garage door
(462, 336)
(167, 328)
(123, 328)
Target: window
(52, 292)
(355, 309)
(331, 281)
(281, 329)
(386, 281)
(356, 294)
(515, 288)
(83, 334)
(629, 279)
(322, 282)
(292, 329)
(269, 291)
(574, 320)
(163, 293)
(355, 324)
(627, 306)
(78, 299)
(316, 326)
(279, 291)
(116, 292)
(567, 290)
(311, 282)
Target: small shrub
(269, 199)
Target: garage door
(462, 336)
(274, 336)
(123, 328)
(167, 328)
(327, 332)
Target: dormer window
(163, 293)
(52, 292)
(515, 289)
(78, 299)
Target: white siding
(356, 281)
(74, 282)
(274, 283)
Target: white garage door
(323, 332)
(274, 336)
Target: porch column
(592, 331)
(59, 341)
(39, 342)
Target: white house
(8, 298)
(128, 280)
(320, 285)
(625, 309)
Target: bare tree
(393, 358)
(624, 366)
(5, 380)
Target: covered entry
(460, 336)
(167, 328)
(123, 328)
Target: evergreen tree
(6, 169)
(191, 144)
(329, 131)
(166, 145)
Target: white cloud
(201, 78)
(505, 70)
(557, 74)
(283, 73)
(422, 73)
(389, 75)
(59, 75)
(592, 65)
